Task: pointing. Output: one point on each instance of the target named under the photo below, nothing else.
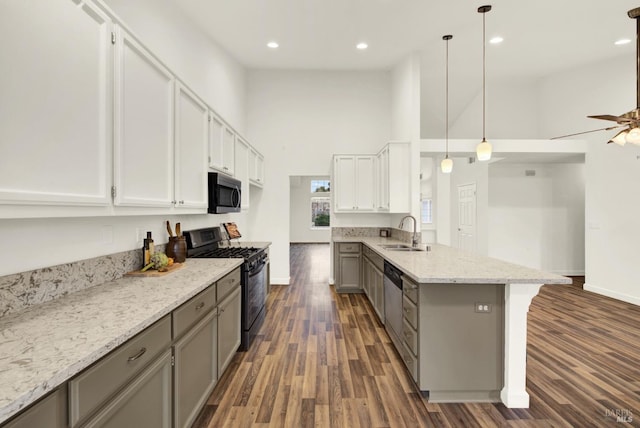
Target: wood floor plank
(324, 359)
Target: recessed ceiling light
(622, 42)
(496, 40)
(362, 46)
(273, 45)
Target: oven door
(256, 293)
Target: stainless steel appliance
(224, 194)
(393, 302)
(207, 243)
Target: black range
(208, 243)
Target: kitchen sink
(401, 247)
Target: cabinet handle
(138, 355)
(174, 202)
(406, 310)
(181, 202)
(200, 306)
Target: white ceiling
(541, 36)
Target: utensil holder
(177, 248)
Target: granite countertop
(446, 265)
(45, 345)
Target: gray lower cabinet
(51, 412)
(196, 369)
(373, 277)
(99, 385)
(410, 327)
(229, 328)
(347, 267)
(145, 403)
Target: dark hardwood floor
(323, 359)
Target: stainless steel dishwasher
(393, 302)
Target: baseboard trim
(281, 281)
(613, 294)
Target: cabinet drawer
(410, 312)
(410, 361)
(228, 283)
(193, 310)
(351, 247)
(410, 337)
(95, 385)
(410, 290)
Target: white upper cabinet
(221, 145)
(144, 108)
(190, 150)
(256, 168)
(55, 104)
(242, 155)
(354, 183)
(394, 168)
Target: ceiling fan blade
(610, 117)
(609, 128)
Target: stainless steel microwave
(224, 194)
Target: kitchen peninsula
(464, 318)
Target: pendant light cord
(446, 131)
(484, 73)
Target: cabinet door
(228, 150)
(216, 130)
(49, 412)
(55, 103)
(344, 188)
(196, 369)
(256, 168)
(191, 142)
(241, 172)
(228, 329)
(366, 278)
(145, 403)
(383, 179)
(143, 154)
(349, 265)
(365, 183)
(378, 285)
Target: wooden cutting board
(153, 272)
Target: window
(320, 186)
(320, 211)
(426, 208)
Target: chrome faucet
(414, 239)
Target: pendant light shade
(446, 166)
(484, 149)
(620, 138)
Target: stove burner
(228, 252)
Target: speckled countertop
(445, 265)
(45, 345)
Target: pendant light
(483, 150)
(447, 164)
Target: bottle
(148, 248)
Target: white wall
(612, 173)
(538, 221)
(299, 119)
(215, 75)
(300, 211)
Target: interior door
(467, 217)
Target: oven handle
(259, 269)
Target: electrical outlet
(482, 308)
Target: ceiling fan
(630, 121)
